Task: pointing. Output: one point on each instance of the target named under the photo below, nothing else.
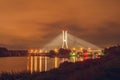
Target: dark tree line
(4, 52)
(61, 52)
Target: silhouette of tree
(52, 53)
(3, 52)
(64, 52)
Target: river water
(33, 63)
(16, 64)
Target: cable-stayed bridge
(80, 50)
(67, 40)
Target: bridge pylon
(65, 39)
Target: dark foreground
(105, 68)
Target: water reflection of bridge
(41, 63)
(44, 63)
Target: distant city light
(74, 49)
(40, 51)
(56, 50)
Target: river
(33, 63)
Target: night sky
(28, 24)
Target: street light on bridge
(30, 51)
(56, 50)
(40, 51)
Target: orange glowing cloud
(33, 23)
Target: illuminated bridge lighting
(65, 40)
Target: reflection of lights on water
(56, 62)
(73, 59)
(45, 63)
(35, 63)
(40, 64)
(81, 59)
(64, 60)
(28, 59)
(93, 57)
(86, 57)
(31, 64)
(97, 56)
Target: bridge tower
(65, 44)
